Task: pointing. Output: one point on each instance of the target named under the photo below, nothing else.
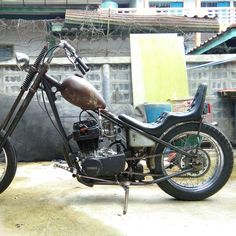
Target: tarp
(158, 68)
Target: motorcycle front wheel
(211, 163)
(7, 165)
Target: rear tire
(212, 166)
(8, 165)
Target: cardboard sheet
(158, 68)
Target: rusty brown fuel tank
(81, 93)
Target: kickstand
(125, 186)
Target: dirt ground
(46, 201)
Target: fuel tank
(81, 93)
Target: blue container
(153, 111)
(109, 4)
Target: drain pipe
(106, 84)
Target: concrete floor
(47, 201)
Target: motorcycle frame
(13, 117)
(19, 107)
(38, 78)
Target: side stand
(125, 186)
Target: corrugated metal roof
(47, 2)
(138, 22)
(230, 93)
(215, 41)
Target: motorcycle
(186, 157)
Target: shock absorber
(33, 69)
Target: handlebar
(65, 45)
(49, 53)
(78, 62)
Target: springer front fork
(13, 117)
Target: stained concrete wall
(217, 77)
(45, 143)
(35, 138)
(24, 36)
(37, 147)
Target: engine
(96, 159)
(86, 134)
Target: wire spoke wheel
(207, 163)
(210, 161)
(3, 164)
(8, 164)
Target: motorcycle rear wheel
(8, 165)
(212, 165)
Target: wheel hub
(200, 162)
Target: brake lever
(69, 57)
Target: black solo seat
(166, 120)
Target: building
(224, 10)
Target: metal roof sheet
(140, 22)
(218, 42)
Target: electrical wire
(213, 63)
(89, 113)
(38, 101)
(49, 51)
(49, 116)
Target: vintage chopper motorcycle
(187, 158)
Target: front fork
(12, 119)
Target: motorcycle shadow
(138, 196)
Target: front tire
(8, 165)
(212, 165)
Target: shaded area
(34, 138)
(34, 211)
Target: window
(223, 4)
(176, 4)
(215, 4)
(159, 4)
(6, 52)
(166, 4)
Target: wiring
(48, 114)
(89, 113)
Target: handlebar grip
(33, 71)
(79, 63)
(81, 68)
(82, 64)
